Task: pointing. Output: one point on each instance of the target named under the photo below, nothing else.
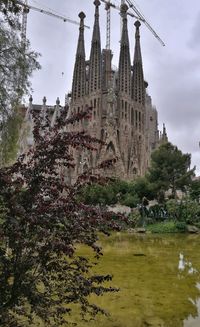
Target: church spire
(124, 80)
(79, 77)
(164, 135)
(138, 86)
(95, 65)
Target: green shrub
(98, 194)
(164, 227)
(158, 212)
(181, 226)
(134, 218)
(130, 200)
(172, 208)
(143, 188)
(187, 210)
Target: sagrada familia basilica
(123, 115)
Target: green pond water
(158, 277)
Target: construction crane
(27, 7)
(24, 24)
(137, 15)
(108, 5)
(141, 16)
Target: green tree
(17, 62)
(98, 194)
(194, 190)
(130, 200)
(170, 169)
(10, 11)
(9, 143)
(16, 67)
(143, 188)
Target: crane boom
(107, 2)
(43, 11)
(24, 24)
(107, 7)
(134, 8)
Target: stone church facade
(123, 116)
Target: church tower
(124, 73)
(138, 98)
(124, 91)
(120, 113)
(95, 63)
(79, 77)
(138, 86)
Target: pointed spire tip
(97, 3)
(81, 15)
(123, 8)
(137, 24)
(58, 101)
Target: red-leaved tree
(41, 221)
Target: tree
(143, 188)
(17, 62)
(10, 10)
(16, 67)
(98, 194)
(170, 169)
(9, 143)
(41, 222)
(194, 190)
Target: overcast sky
(173, 71)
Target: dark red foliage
(41, 222)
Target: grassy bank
(167, 227)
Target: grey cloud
(194, 41)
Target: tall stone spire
(79, 76)
(95, 65)
(124, 79)
(164, 138)
(138, 85)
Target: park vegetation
(41, 223)
(169, 182)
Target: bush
(134, 218)
(158, 212)
(165, 227)
(172, 208)
(187, 211)
(181, 226)
(130, 200)
(143, 188)
(98, 194)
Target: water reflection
(159, 280)
(158, 277)
(185, 265)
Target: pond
(158, 277)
